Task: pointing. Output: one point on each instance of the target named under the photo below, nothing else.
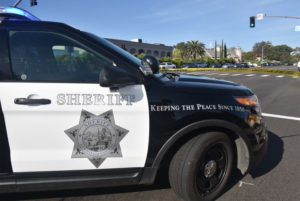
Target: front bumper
(260, 152)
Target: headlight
(251, 101)
(248, 100)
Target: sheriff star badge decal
(96, 137)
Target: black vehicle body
(168, 130)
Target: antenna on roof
(17, 3)
(32, 3)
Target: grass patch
(250, 70)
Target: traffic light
(252, 21)
(33, 2)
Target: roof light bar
(12, 11)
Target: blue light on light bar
(14, 11)
(18, 11)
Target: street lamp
(262, 52)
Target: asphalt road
(294, 68)
(276, 179)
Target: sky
(173, 21)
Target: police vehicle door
(57, 115)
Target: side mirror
(115, 77)
(151, 65)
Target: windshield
(115, 48)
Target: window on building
(132, 51)
(141, 51)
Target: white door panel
(37, 137)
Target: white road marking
(280, 76)
(236, 74)
(211, 73)
(250, 75)
(281, 116)
(265, 75)
(242, 182)
(224, 74)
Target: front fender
(242, 143)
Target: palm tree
(195, 48)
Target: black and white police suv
(60, 129)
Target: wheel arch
(236, 134)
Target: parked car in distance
(298, 65)
(227, 65)
(254, 65)
(237, 65)
(167, 65)
(245, 65)
(216, 65)
(264, 64)
(201, 64)
(189, 65)
(278, 63)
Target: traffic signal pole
(262, 16)
(290, 17)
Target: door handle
(30, 101)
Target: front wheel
(201, 167)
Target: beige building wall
(157, 50)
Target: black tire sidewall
(191, 167)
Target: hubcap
(210, 168)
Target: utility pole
(262, 52)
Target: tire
(196, 172)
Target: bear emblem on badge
(96, 137)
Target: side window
(46, 56)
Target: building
(296, 51)
(234, 52)
(136, 46)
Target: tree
(249, 56)
(221, 53)
(225, 51)
(140, 56)
(216, 49)
(182, 46)
(280, 53)
(262, 48)
(195, 48)
(177, 54)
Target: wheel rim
(212, 168)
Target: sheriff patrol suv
(60, 129)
